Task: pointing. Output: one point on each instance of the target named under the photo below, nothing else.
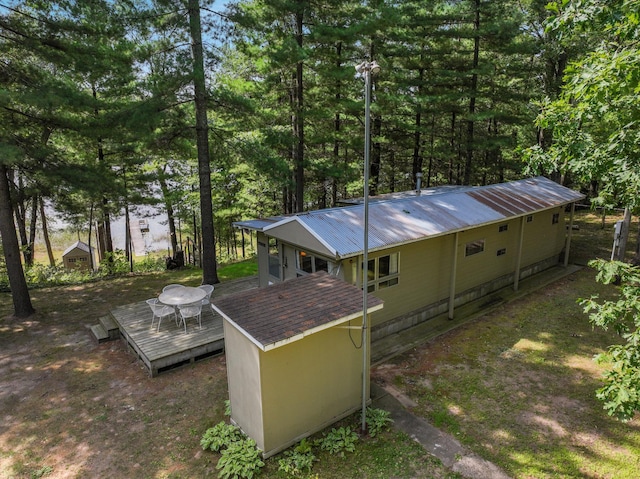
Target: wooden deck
(171, 346)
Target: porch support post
(454, 268)
(516, 274)
(569, 233)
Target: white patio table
(183, 295)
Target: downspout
(568, 245)
(454, 268)
(516, 274)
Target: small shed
(295, 357)
(79, 256)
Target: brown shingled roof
(288, 311)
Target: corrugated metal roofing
(411, 218)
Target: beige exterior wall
(77, 259)
(543, 239)
(243, 377)
(482, 267)
(425, 266)
(282, 395)
(294, 233)
(310, 384)
(424, 272)
(263, 259)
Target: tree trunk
(105, 230)
(170, 213)
(209, 268)
(19, 291)
(299, 117)
(32, 231)
(45, 234)
(19, 210)
(337, 124)
(452, 143)
(92, 266)
(417, 134)
(376, 156)
(473, 93)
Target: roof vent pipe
(418, 181)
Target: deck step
(110, 326)
(99, 333)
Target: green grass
(517, 386)
(239, 269)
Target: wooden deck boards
(171, 347)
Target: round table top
(183, 295)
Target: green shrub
(220, 436)
(377, 421)
(337, 441)
(240, 460)
(298, 461)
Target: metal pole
(365, 255)
(366, 68)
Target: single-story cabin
(429, 251)
(79, 256)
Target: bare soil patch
(72, 408)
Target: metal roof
(405, 219)
(77, 245)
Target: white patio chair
(169, 286)
(207, 288)
(191, 310)
(160, 311)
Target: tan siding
(542, 239)
(243, 372)
(425, 269)
(294, 233)
(263, 259)
(425, 266)
(305, 388)
(482, 267)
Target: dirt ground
(70, 408)
(89, 410)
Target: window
(382, 272)
(555, 219)
(501, 252)
(474, 247)
(503, 228)
(529, 218)
(308, 263)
